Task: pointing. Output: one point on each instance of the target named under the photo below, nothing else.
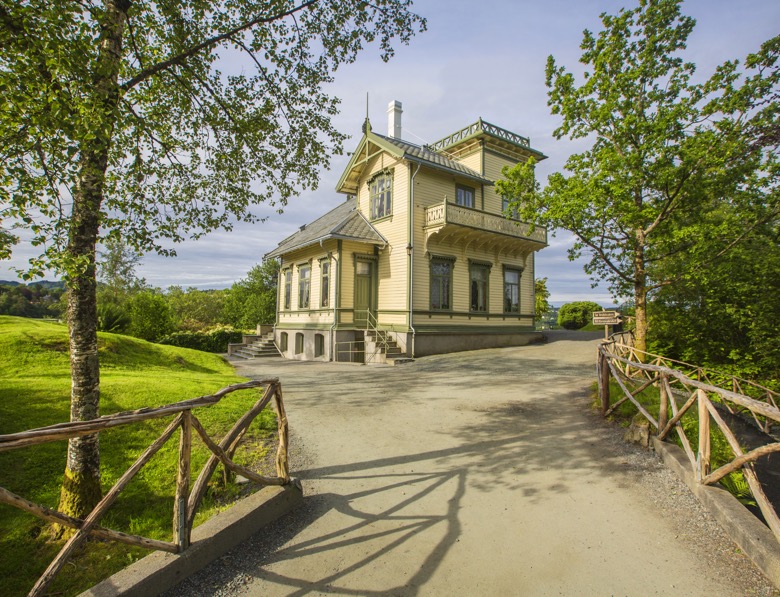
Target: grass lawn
(35, 391)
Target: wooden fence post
(663, 407)
(282, 463)
(703, 457)
(603, 380)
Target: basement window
(298, 343)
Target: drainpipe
(331, 277)
(337, 284)
(411, 257)
(279, 286)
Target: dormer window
(381, 195)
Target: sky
(478, 59)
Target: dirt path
(481, 473)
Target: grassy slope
(34, 392)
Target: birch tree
(158, 121)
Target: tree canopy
(576, 315)
(541, 295)
(664, 150)
(199, 111)
(252, 300)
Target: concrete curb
(160, 571)
(752, 537)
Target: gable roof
(402, 150)
(343, 222)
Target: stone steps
(262, 348)
(380, 349)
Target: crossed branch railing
(186, 502)
(680, 386)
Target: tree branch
(215, 96)
(264, 73)
(602, 254)
(212, 41)
(135, 46)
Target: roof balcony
(449, 224)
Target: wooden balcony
(450, 224)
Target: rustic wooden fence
(682, 387)
(186, 501)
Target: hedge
(214, 341)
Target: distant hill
(43, 283)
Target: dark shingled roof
(343, 222)
(423, 155)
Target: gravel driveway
(479, 473)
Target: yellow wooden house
(421, 258)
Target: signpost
(606, 318)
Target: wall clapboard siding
(473, 161)
(493, 166)
(392, 261)
(316, 313)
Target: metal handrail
(372, 325)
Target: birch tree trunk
(81, 484)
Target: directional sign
(606, 318)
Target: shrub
(573, 316)
(112, 318)
(151, 316)
(215, 340)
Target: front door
(364, 290)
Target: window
(381, 195)
(319, 345)
(287, 288)
(283, 342)
(298, 343)
(480, 274)
(512, 290)
(441, 284)
(464, 196)
(325, 294)
(304, 286)
(505, 209)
